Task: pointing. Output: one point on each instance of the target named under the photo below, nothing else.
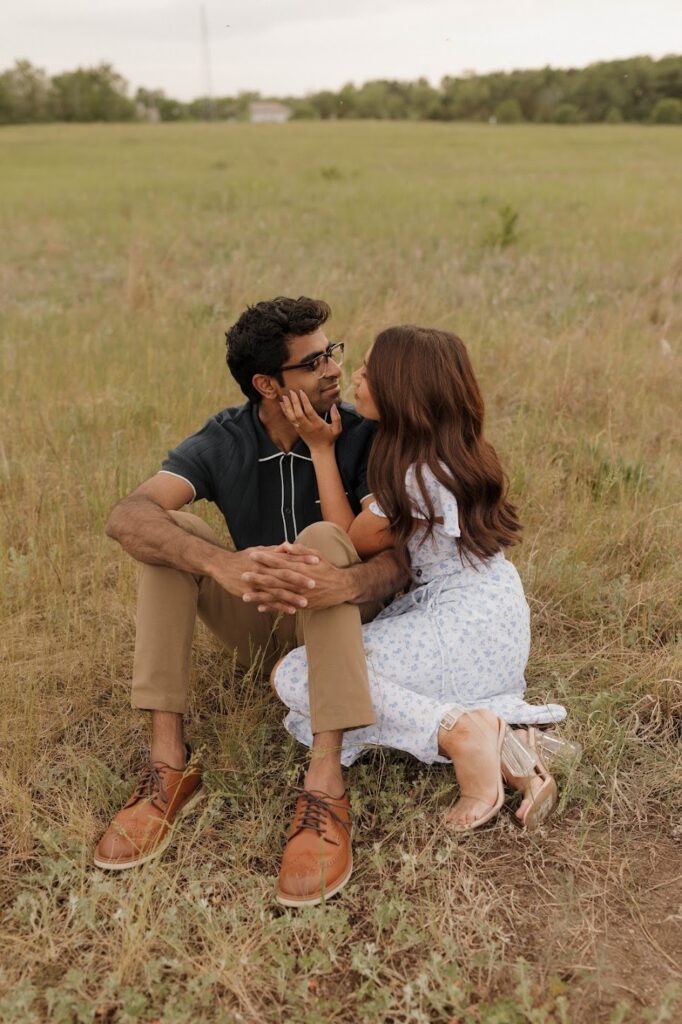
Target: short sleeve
(444, 502)
(192, 460)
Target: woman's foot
(473, 745)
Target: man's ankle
(168, 739)
(173, 756)
(325, 780)
(324, 771)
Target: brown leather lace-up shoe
(318, 858)
(144, 827)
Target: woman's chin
(368, 414)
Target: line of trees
(639, 89)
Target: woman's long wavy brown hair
(431, 414)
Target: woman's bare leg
(471, 745)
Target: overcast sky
(297, 46)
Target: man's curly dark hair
(258, 341)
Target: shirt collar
(267, 449)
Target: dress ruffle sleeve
(444, 501)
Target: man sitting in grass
(290, 573)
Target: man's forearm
(148, 533)
(376, 579)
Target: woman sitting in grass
(446, 660)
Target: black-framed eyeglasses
(318, 365)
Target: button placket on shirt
(288, 495)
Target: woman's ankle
(469, 727)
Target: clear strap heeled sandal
(557, 750)
(524, 762)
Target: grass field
(555, 253)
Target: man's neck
(277, 426)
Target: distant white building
(264, 112)
(145, 113)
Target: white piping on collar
(281, 455)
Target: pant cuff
(159, 704)
(332, 721)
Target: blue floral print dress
(456, 641)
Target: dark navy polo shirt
(266, 495)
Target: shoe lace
(149, 787)
(313, 814)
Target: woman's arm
(320, 437)
(333, 500)
(370, 533)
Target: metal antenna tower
(206, 60)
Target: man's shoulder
(220, 433)
(236, 422)
(235, 417)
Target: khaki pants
(169, 601)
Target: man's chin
(326, 401)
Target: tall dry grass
(125, 254)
